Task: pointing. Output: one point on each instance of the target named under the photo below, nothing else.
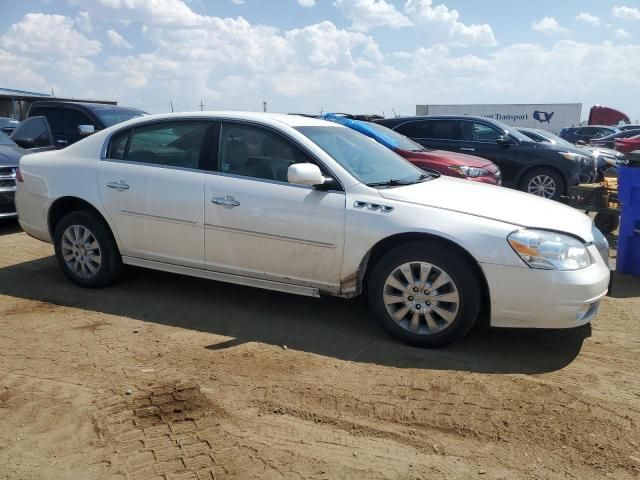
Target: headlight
(471, 172)
(549, 251)
(576, 157)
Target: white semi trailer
(547, 116)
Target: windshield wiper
(396, 183)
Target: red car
(451, 164)
(628, 145)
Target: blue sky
(346, 55)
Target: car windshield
(112, 116)
(392, 137)
(5, 140)
(364, 158)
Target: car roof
(434, 117)
(274, 119)
(90, 106)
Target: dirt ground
(167, 377)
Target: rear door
(152, 187)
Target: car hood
(451, 157)
(496, 203)
(9, 155)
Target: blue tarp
(370, 130)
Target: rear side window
(440, 129)
(170, 144)
(118, 146)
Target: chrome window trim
(252, 123)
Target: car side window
(54, 116)
(171, 144)
(411, 129)
(442, 129)
(485, 133)
(118, 146)
(73, 119)
(257, 152)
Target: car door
(152, 188)
(481, 139)
(259, 225)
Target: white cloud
(40, 34)
(307, 3)
(83, 21)
(588, 18)
(368, 14)
(549, 26)
(238, 2)
(231, 63)
(160, 12)
(439, 20)
(118, 40)
(621, 33)
(626, 13)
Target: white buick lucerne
(310, 207)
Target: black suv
(71, 121)
(542, 169)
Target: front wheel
(86, 250)
(425, 294)
(544, 182)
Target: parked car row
(543, 169)
(311, 207)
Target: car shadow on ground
(7, 227)
(331, 327)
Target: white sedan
(310, 207)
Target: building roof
(14, 94)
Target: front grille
(602, 244)
(7, 179)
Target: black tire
(528, 177)
(606, 222)
(444, 257)
(110, 268)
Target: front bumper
(531, 298)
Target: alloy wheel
(81, 251)
(421, 298)
(543, 186)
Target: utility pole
(264, 106)
(171, 106)
(201, 106)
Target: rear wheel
(544, 182)
(86, 250)
(425, 294)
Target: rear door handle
(120, 185)
(467, 149)
(227, 201)
(62, 142)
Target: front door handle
(227, 201)
(467, 149)
(119, 186)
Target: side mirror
(504, 140)
(25, 143)
(86, 130)
(305, 174)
